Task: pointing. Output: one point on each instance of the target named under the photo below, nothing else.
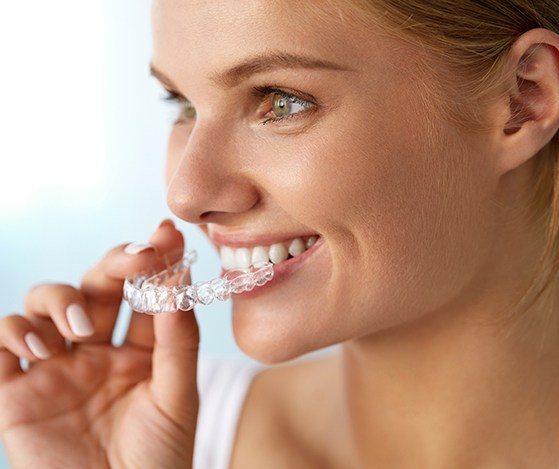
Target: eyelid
(308, 104)
(261, 92)
(267, 89)
(173, 95)
(260, 89)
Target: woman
(419, 142)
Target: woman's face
(398, 196)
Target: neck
(450, 391)
(455, 388)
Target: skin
(422, 245)
(417, 249)
(93, 404)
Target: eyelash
(174, 97)
(259, 91)
(266, 91)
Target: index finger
(141, 326)
(102, 284)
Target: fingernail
(167, 221)
(136, 248)
(36, 345)
(79, 320)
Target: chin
(268, 347)
(274, 342)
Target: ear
(532, 108)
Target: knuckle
(11, 327)
(9, 321)
(42, 290)
(35, 289)
(47, 291)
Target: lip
(281, 270)
(248, 240)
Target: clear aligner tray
(166, 292)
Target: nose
(209, 184)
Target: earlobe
(533, 102)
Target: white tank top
(222, 387)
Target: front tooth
(242, 257)
(278, 253)
(311, 241)
(227, 255)
(296, 247)
(259, 254)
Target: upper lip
(244, 239)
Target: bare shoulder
(282, 411)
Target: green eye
(285, 105)
(186, 108)
(189, 111)
(281, 106)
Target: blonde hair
(467, 44)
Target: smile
(244, 257)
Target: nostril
(214, 217)
(206, 215)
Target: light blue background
(60, 232)
(82, 150)
(54, 222)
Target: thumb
(174, 364)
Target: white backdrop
(82, 148)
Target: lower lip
(281, 270)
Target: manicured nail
(79, 320)
(136, 248)
(167, 221)
(36, 345)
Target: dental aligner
(150, 293)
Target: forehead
(205, 36)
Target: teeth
(259, 254)
(228, 260)
(311, 241)
(278, 253)
(296, 247)
(242, 258)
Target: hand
(91, 404)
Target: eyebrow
(259, 64)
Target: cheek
(407, 216)
(412, 214)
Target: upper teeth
(242, 258)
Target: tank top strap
(222, 387)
